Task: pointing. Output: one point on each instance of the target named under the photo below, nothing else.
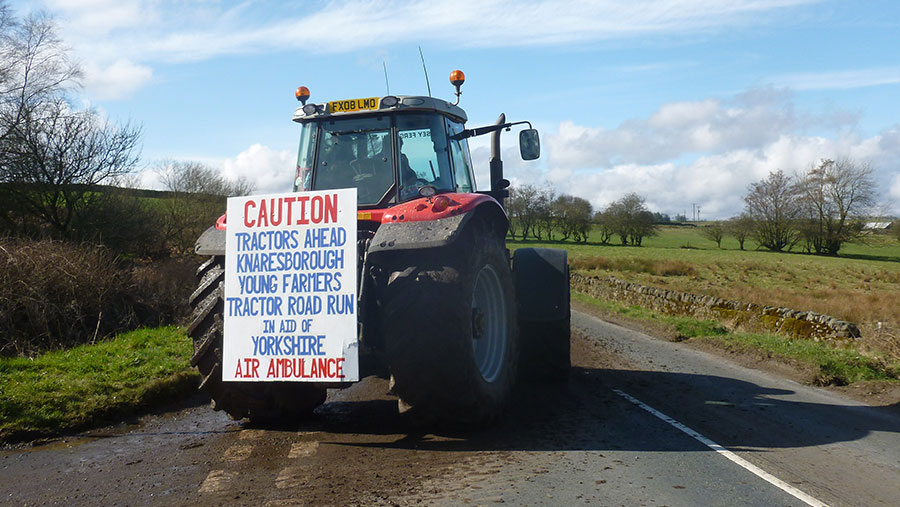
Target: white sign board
(290, 288)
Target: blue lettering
(340, 304)
(254, 306)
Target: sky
(684, 102)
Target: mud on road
(356, 449)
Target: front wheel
(450, 327)
(259, 401)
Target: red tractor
(442, 308)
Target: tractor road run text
(273, 306)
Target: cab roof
(403, 103)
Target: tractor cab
(392, 149)
(395, 149)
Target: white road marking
(250, 434)
(237, 453)
(299, 449)
(759, 472)
(291, 477)
(216, 481)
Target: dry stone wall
(735, 314)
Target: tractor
(444, 311)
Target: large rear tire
(542, 291)
(259, 401)
(450, 328)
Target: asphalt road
(642, 421)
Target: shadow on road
(586, 414)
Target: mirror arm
(480, 131)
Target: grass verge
(72, 389)
(833, 365)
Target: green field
(861, 285)
(79, 387)
(826, 364)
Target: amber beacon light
(302, 94)
(457, 78)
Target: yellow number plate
(348, 106)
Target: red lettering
(273, 208)
(263, 213)
(316, 209)
(323, 367)
(273, 369)
(253, 368)
(237, 374)
(302, 200)
(339, 373)
(289, 204)
(313, 371)
(247, 206)
(291, 367)
(331, 207)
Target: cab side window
(423, 154)
(462, 164)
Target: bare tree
(741, 227)
(630, 219)
(545, 223)
(522, 209)
(773, 206)
(196, 198)
(604, 227)
(714, 231)
(34, 67)
(572, 216)
(833, 194)
(54, 159)
(515, 205)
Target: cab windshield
(356, 153)
(360, 153)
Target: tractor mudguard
(211, 242)
(541, 277)
(417, 235)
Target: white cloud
(272, 171)
(180, 31)
(707, 152)
(719, 182)
(839, 80)
(99, 17)
(485, 23)
(149, 178)
(117, 80)
(748, 120)
(147, 32)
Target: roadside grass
(832, 365)
(861, 285)
(72, 389)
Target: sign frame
(290, 305)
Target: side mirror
(529, 144)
